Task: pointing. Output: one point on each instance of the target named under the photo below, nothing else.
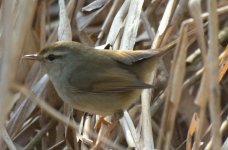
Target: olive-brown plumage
(97, 81)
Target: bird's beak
(32, 57)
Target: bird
(98, 81)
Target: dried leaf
(191, 130)
(223, 64)
(94, 5)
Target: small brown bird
(102, 82)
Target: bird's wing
(128, 57)
(112, 80)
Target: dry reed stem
(64, 30)
(8, 140)
(147, 26)
(12, 47)
(5, 70)
(212, 66)
(201, 98)
(43, 23)
(164, 23)
(132, 23)
(147, 132)
(148, 140)
(156, 43)
(176, 19)
(175, 89)
(117, 23)
(108, 21)
(195, 11)
(129, 131)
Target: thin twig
(40, 134)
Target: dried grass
(187, 109)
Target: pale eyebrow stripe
(56, 53)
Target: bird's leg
(116, 117)
(100, 121)
(107, 127)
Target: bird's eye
(51, 57)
